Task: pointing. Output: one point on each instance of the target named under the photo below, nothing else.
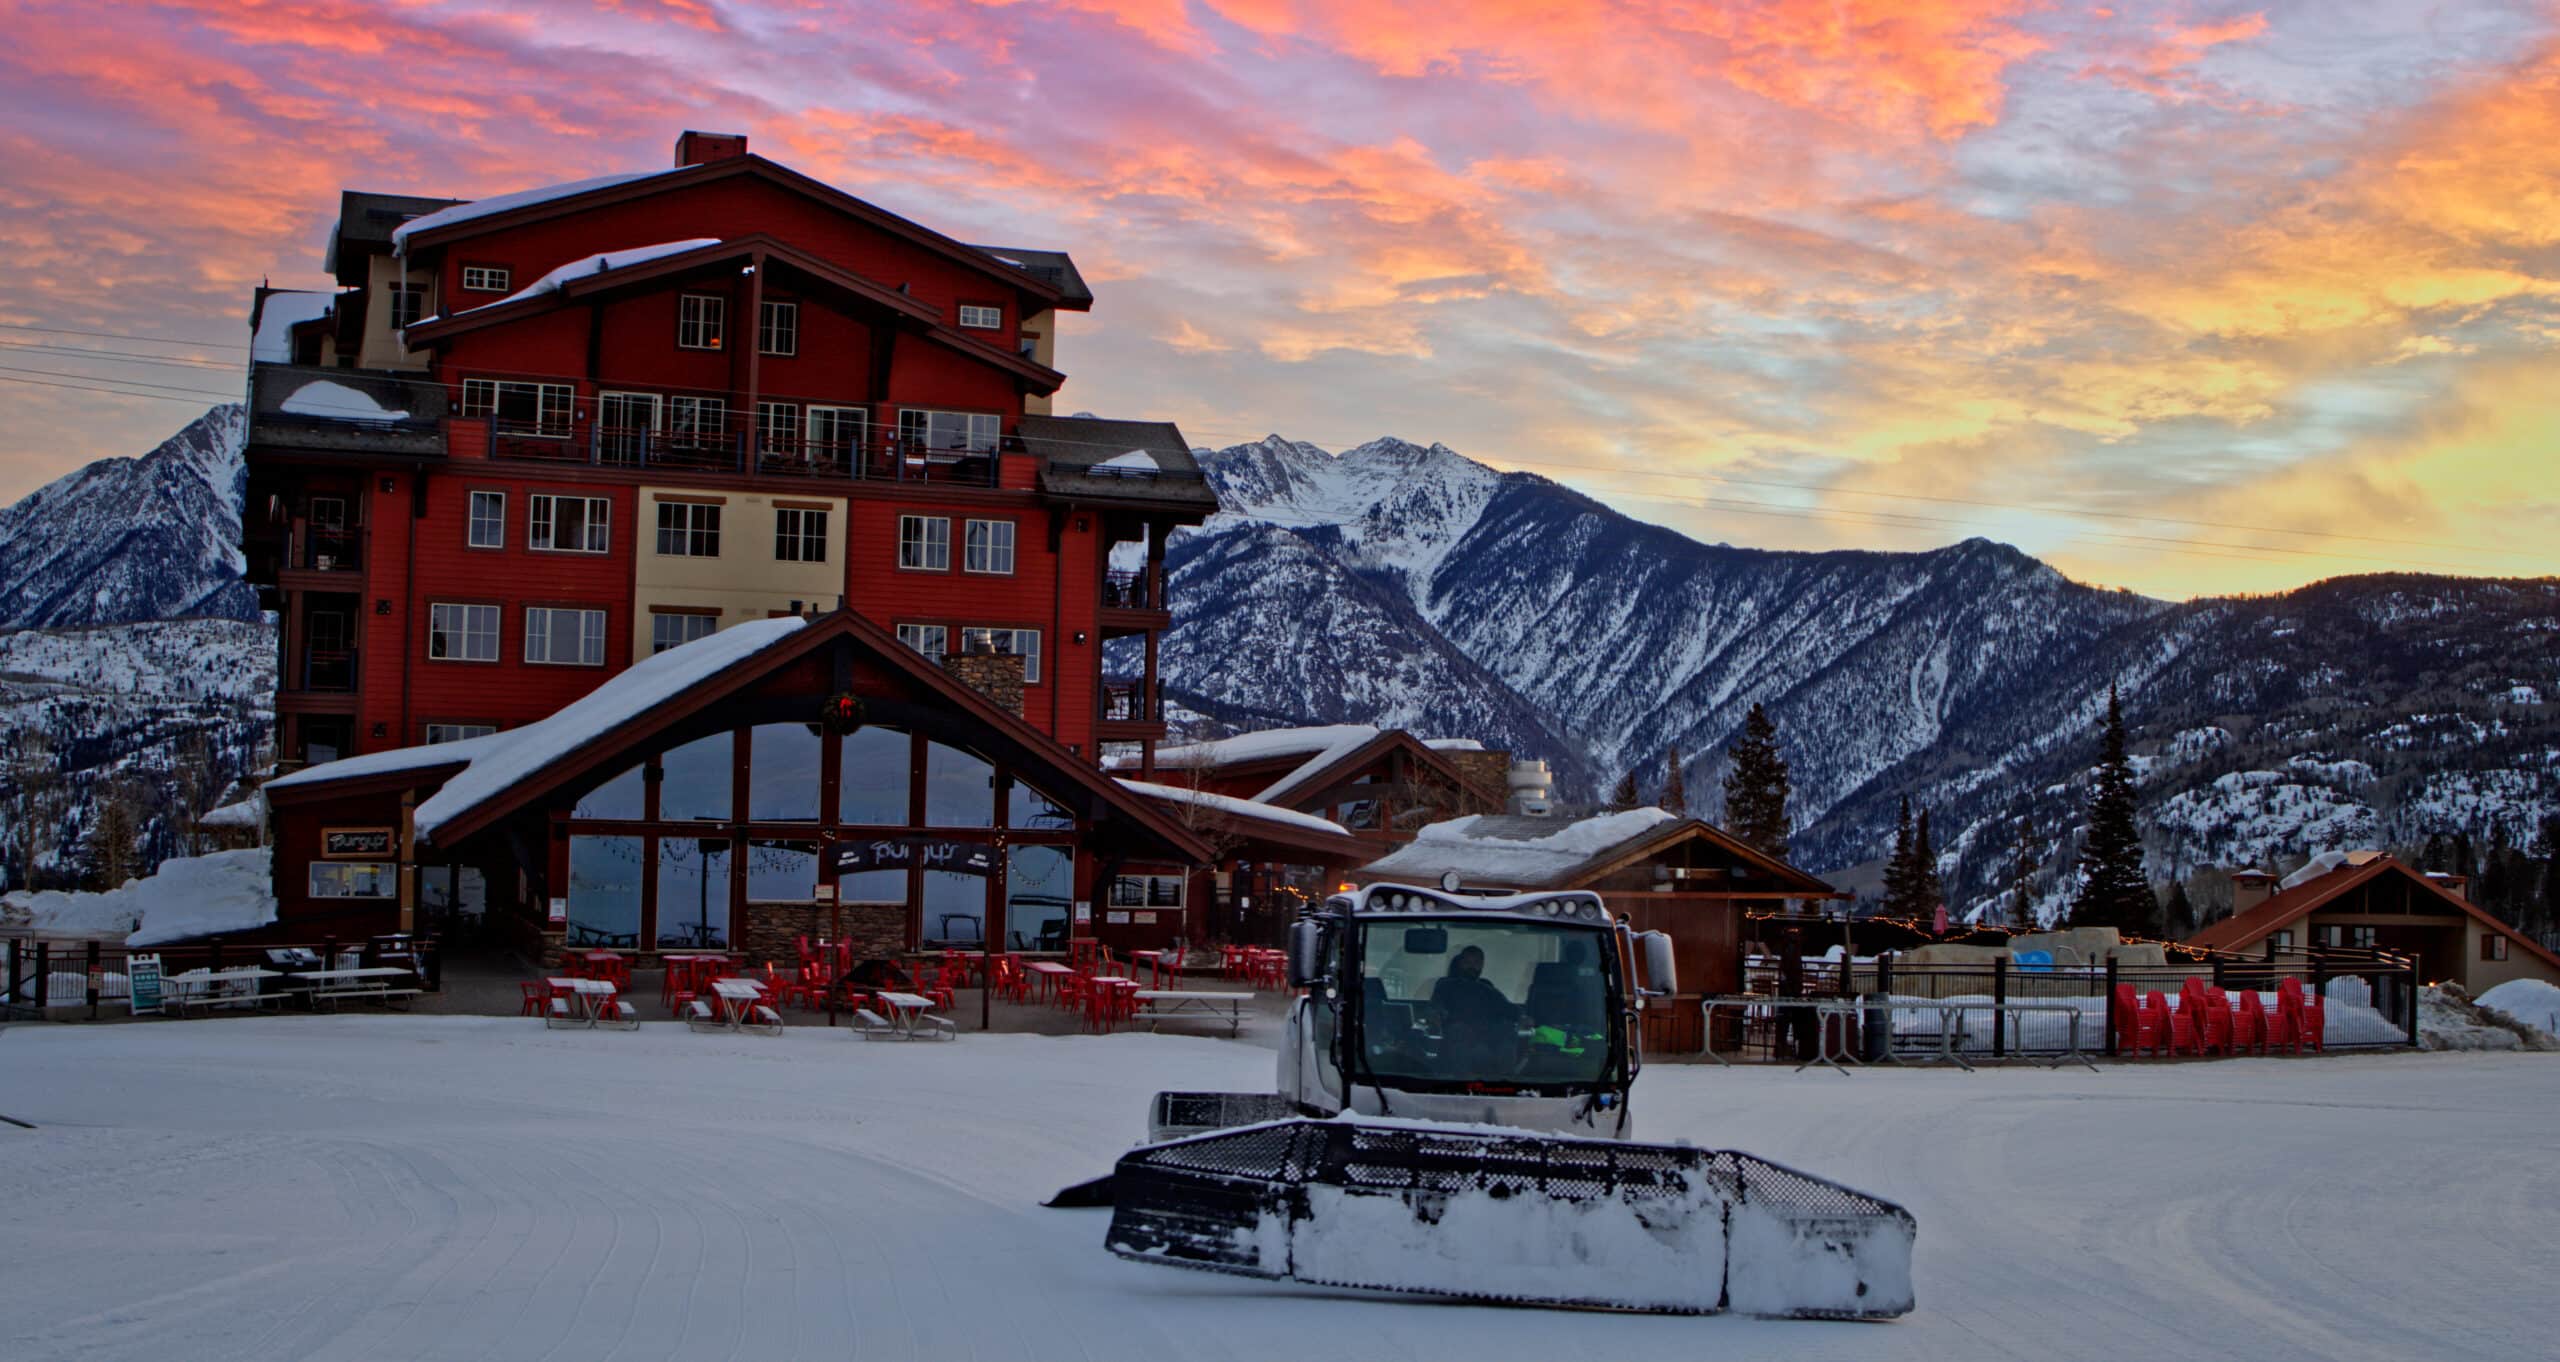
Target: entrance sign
(355, 844)
(142, 981)
(898, 853)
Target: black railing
(1131, 589)
(42, 977)
(329, 551)
(735, 446)
(1129, 702)
(329, 670)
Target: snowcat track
(1607, 1223)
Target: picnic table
(1156, 1004)
(369, 982)
(581, 1002)
(741, 1005)
(907, 1018)
(1161, 965)
(211, 988)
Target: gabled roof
(642, 264)
(1264, 823)
(2240, 931)
(535, 205)
(366, 225)
(1522, 852)
(500, 774)
(1054, 268)
(1323, 754)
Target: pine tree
(2550, 877)
(2438, 855)
(1756, 786)
(2022, 877)
(1926, 892)
(1675, 790)
(1624, 797)
(2178, 916)
(1899, 889)
(2113, 892)
(2496, 889)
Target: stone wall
(997, 676)
(767, 931)
(1489, 770)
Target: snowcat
(1452, 1119)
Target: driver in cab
(1477, 1023)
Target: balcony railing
(325, 550)
(329, 670)
(1130, 702)
(735, 446)
(295, 406)
(1132, 589)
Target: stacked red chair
(2162, 1023)
(2249, 1024)
(2309, 1012)
(2211, 1013)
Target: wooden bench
(1158, 1004)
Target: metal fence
(41, 977)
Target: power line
(115, 392)
(124, 382)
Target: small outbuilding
(2370, 901)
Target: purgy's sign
(356, 844)
(898, 853)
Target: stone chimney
(997, 676)
(2457, 885)
(698, 148)
(1481, 768)
(2249, 888)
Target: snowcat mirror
(1426, 941)
(1306, 953)
(1661, 976)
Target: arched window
(959, 790)
(619, 797)
(782, 773)
(695, 779)
(871, 786)
(1026, 807)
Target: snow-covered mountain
(156, 537)
(1397, 583)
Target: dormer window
(981, 318)
(702, 321)
(486, 278)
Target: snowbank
(338, 402)
(2531, 1001)
(187, 897)
(1460, 844)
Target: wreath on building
(842, 714)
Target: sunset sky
(2187, 298)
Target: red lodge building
(535, 440)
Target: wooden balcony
(734, 446)
(1133, 602)
(1132, 711)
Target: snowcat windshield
(1483, 1001)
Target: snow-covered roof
(337, 402)
(503, 759)
(272, 342)
(250, 813)
(598, 263)
(1264, 745)
(1242, 807)
(1453, 744)
(507, 203)
(2322, 864)
(1136, 460)
(387, 762)
(1506, 849)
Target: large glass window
(604, 891)
(989, 546)
(542, 409)
(688, 529)
(693, 892)
(782, 773)
(619, 797)
(1485, 1001)
(561, 524)
(871, 787)
(488, 520)
(1040, 891)
(354, 880)
(959, 788)
(973, 431)
(955, 909)
(695, 779)
(674, 629)
(1026, 807)
(873, 886)
(781, 871)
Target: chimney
(1532, 788)
(701, 148)
(2249, 888)
(997, 676)
(2457, 885)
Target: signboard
(897, 853)
(1143, 919)
(559, 911)
(1116, 919)
(142, 978)
(1084, 910)
(355, 844)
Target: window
(462, 633)
(982, 318)
(1147, 891)
(873, 782)
(783, 761)
(2493, 947)
(697, 420)
(672, 629)
(693, 780)
(329, 515)
(408, 304)
(688, 529)
(924, 542)
(540, 409)
(799, 535)
(693, 891)
(990, 547)
(604, 890)
(570, 524)
(485, 278)
(836, 432)
(927, 639)
(2284, 941)
(437, 733)
(488, 520)
(778, 329)
(1022, 643)
(569, 638)
(702, 319)
(778, 427)
(353, 880)
(959, 788)
(974, 431)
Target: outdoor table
(1824, 1010)
(1111, 1000)
(1161, 1003)
(367, 981)
(903, 1009)
(586, 998)
(1161, 966)
(1048, 972)
(196, 986)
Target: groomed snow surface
(455, 1187)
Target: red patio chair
(933, 983)
(2283, 1029)
(2162, 1025)
(572, 965)
(2212, 1016)
(2184, 1037)
(2248, 1024)
(2309, 1012)
(2137, 1029)
(537, 996)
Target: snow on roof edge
(1230, 804)
(504, 203)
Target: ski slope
(458, 1187)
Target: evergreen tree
(1675, 790)
(1756, 786)
(1899, 888)
(1926, 892)
(2496, 888)
(2464, 863)
(2113, 892)
(2438, 855)
(2178, 916)
(2550, 878)
(2022, 878)
(1624, 797)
